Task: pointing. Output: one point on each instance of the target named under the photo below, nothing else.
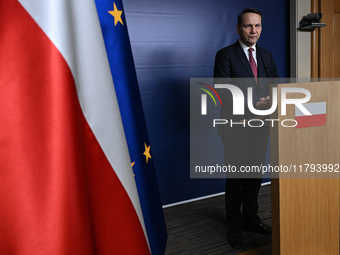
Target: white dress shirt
(245, 49)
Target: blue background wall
(173, 41)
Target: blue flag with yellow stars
(117, 43)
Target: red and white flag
(66, 182)
(317, 117)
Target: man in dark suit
(244, 145)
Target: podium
(305, 202)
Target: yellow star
(116, 14)
(147, 152)
(132, 166)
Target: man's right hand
(263, 104)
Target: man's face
(250, 29)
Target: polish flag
(66, 182)
(318, 117)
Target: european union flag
(117, 43)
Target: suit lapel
(243, 58)
(260, 67)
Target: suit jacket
(232, 63)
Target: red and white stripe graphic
(66, 183)
(318, 117)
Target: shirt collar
(245, 47)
